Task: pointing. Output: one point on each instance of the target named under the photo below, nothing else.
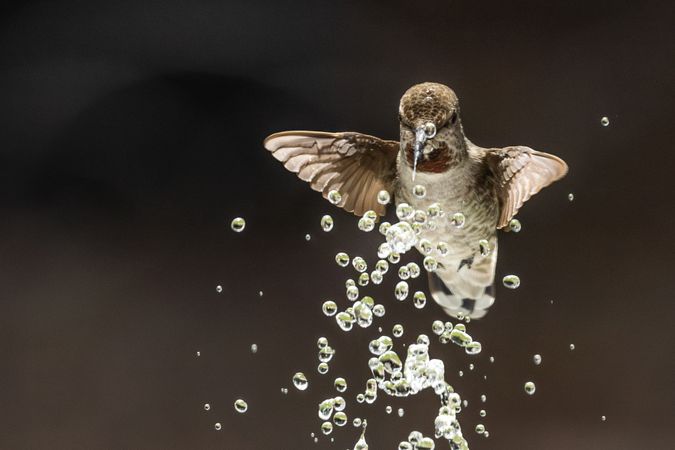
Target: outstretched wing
(520, 173)
(356, 165)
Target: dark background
(131, 135)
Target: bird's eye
(453, 118)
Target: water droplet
(384, 226)
(397, 330)
(345, 320)
(570, 197)
(342, 259)
(360, 398)
(473, 348)
(537, 359)
(357, 422)
(419, 191)
(434, 210)
(480, 428)
(425, 246)
(308, 237)
(388, 409)
(401, 412)
(334, 197)
(430, 263)
(254, 348)
(326, 428)
(511, 281)
(300, 381)
(530, 388)
(414, 270)
(219, 289)
(322, 368)
(604, 121)
(366, 224)
(238, 224)
(382, 266)
(515, 226)
(284, 390)
(401, 291)
(383, 197)
(340, 419)
(260, 293)
(207, 406)
(403, 272)
(394, 258)
(437, 327)
(376, 277)
(572, 347)
(198, 354)
(419, 300)
(384, 250)
(458, 220)
(321, 342)
(340, 384)
(603, 418)
(483, 398)
(482, 413)
(218, 426)
(326, 353)
(484, 247)
(329, 308)
(364, 279)
(359, 264)
(240, 406)
(352, 293)
(379, 310)
(404, 211)
(326, 223)
(401, 237)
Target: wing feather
(357, 165)
(521, 172)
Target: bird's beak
(420, 140)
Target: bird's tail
(456, 305)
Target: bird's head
(431, 131)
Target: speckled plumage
(487, 185)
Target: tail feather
(454, 305)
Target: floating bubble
(207, 406)
(238, 224)
(397, 330)
(530, 388)
(430, 263)
(604, 121)
(322, 368)
(326, 223)
(340, 384)
(419, 300)
(359, 264)
(254, 348)
(326, 428)
(329, 308)
(334, 197)
(458, 220)
(537, 359)
(401, 237)
(383, 197)
(342, 259)
(401, 290)
(240, 406)
(300, 381)
(515, 226)
(218, 426)
(404, 211)
(511, 281)
(419, 191)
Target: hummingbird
(472, 191)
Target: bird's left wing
(356, 165)
(520, 173)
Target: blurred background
(131, 135)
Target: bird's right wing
(356, 165)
